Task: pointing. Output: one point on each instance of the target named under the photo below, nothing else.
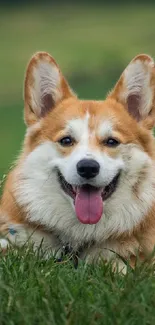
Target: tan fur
(51, 127)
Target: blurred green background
(92, 42)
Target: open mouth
(89, 200)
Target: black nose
(88, 168)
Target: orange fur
(51, 127)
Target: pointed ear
(44, 88)
(136, 87)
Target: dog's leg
(95, 254)
(19, 235)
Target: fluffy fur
(33, 201)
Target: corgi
(86, 173)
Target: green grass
(33, 291)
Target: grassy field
(36, 292)
(92, 45)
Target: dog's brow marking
(78, 128)
(105, 129)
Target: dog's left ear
(136, 87)
(44, 87)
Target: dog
(86, 173)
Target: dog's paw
(4, 245)
(119, 266)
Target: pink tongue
(88, 205)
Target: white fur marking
(78, 128)
(39, 191)
(105, 129)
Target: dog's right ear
(44, 87)
(136, 89)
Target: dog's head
(96, 146)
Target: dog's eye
(66, 141)
(111, 142)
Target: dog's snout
(88, 168)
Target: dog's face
(96, 146)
